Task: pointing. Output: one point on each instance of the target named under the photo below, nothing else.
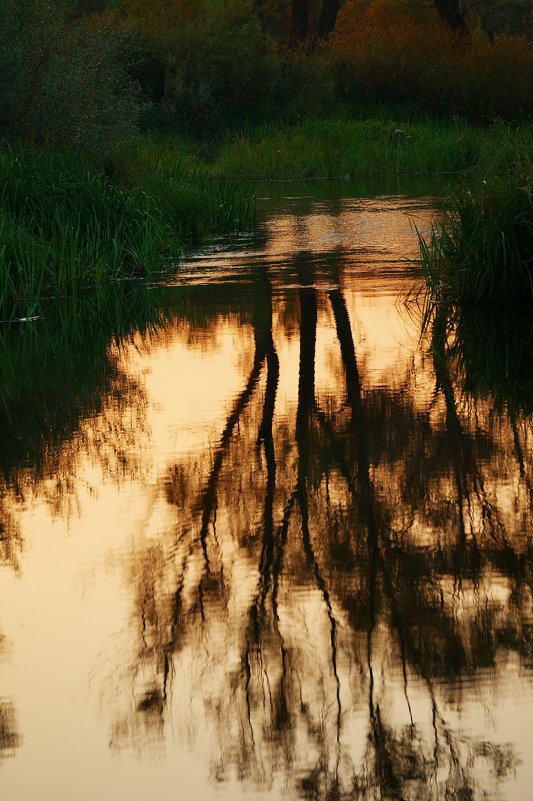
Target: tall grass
(64, 224)
(481, 249)
(195, 198)
(351, 147)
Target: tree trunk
(328, 18)
(299, 22)
(257, 5)
(450, 12)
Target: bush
(218, 66)
(61, 81)
(306, 82)
(481, 251)
(210, 64)
(407, 58)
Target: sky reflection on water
(271, 539)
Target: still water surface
(263, 535)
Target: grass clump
(195, 199)
(342, 146)
(481, 249)
(63, 226)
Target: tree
(328, 18)
(300, 14)
(451, 14)
(299, 22)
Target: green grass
(351, 147)
(68, 223)
(65, 224)
(195, 199)
(481, 250)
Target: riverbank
(69, 221)
(481, 250)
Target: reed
(65, 224)
(351, 147)
(481, 249)
(195, 198)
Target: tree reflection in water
(63, 396)
(346, 567)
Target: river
(266, 526)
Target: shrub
(481, 251)
(411, 58)
(220, 66)
(306, 81)
(212, 63)
(61, 81)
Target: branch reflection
(344, 567)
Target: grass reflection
(57, 373)
(492, 351)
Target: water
(264, 533)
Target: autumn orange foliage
(208, 60)
(389, 51)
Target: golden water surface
(276, 545)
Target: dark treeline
(91, 76)
(82, 71)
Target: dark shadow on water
(492, 351)
(343, 562)
(382, 515)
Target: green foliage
(306, 82)
(353, 147)
(64, 225)
(481, 250)
(194, 199)
(217, 64)
(208, 64)
(62, 81)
